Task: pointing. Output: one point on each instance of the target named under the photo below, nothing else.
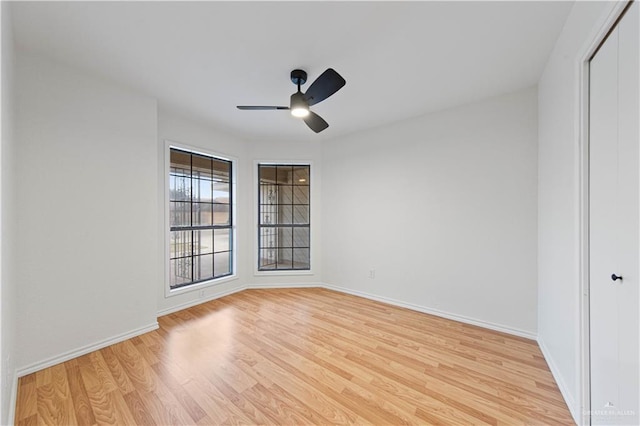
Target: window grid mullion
(191, 216)
(198, 173)
(282, 177)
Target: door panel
(614, 229)
(603, 154)
(628, 178)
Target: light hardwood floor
(297, 357)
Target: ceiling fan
(324, 86)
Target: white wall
(443, 207)
(86, 228)
(8, 288)
(558, 269)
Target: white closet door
(629, 189)
(615, 226)
(603, 154)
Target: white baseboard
(13, 399)
(200, 301)
(564, 389)
(49, 362)
(289, 285)
(438, 313)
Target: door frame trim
(592, 45)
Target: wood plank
(210, 401)
(181, 395)
(134, 365)
(55, 404)
(28, 421)
(27, 400)
(102, 405)
(82, 405)
(138, 409)
(117, 371)
(102, 369)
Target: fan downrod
(298, 77)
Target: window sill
(200, 286)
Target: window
(283, 223)
(200, 218)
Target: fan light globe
(299, 107)
(300, 112)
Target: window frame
(256, 217)
(199, 285)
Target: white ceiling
(400, 59)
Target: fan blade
(326, 85)
(259, 108)
(315, 122)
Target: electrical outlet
(372, 273)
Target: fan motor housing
(298, 77)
